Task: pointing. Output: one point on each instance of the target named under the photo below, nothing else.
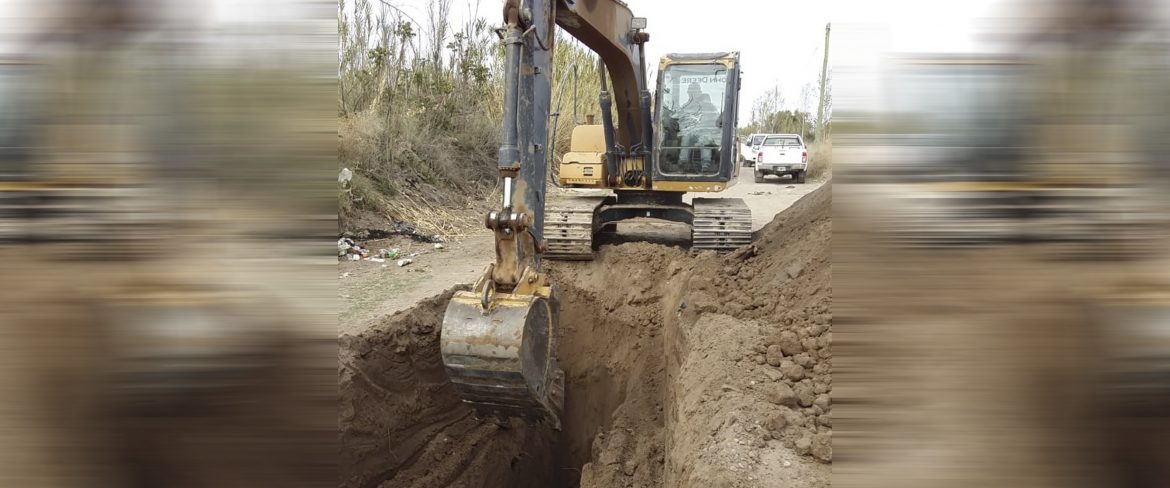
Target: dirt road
(370, 289)
(765, 199)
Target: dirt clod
(820, 328)
(782, 394)
(804, 445)
(804, 360)
(775, 355)
(792, 370)
(778, 421)
(804, 395)
(823, 402)
(822, 447)
(789, 343)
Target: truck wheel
(798, 177)
(759, 177)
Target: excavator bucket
(499, 352)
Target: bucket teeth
(503, 362)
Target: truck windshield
(690, 111)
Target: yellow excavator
(499, 338)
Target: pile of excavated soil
(739, 381)
(680, 370)
(751, 361)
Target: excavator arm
(499, 338)
(609, 29)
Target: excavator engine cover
(501, 357)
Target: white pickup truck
(751, 146)
(781, 154)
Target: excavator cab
(697, 108)
(693, 138)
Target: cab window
(691, 113)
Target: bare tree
(806, 106)
(438, 13)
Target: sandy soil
(654, 396)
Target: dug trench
(680, 371)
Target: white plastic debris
(404, 262)
(343, 245)
(376, 260)
(354, 257)
(344, 177)
(438, 246)
(345, 275)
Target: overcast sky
(781, 41)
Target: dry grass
(822, 159)
(451, 222)
(407, 169)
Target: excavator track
(720, 224)
(569, 226)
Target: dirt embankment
(750, 360)
(680, 371)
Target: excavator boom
(499, 338)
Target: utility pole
(824, 78)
